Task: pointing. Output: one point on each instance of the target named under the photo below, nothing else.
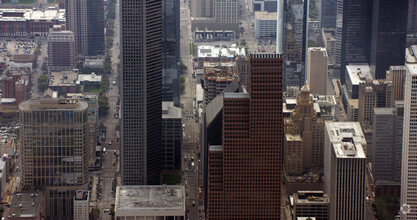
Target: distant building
(310, 204)
(86, 19)
(29, 22)
(327, 13)
(61, 51)
(345, 170)
(329, 42)
(143, 202)
(217, 54)
(13, 87)
(217, 76)
(355, 74)
(396, 74)
(317, 70)
(202, 8)
(387, 149)
(27, 206)
(264, 5)
(87, 82)
(226, 11)
(63, 82)
(265, 24)
(172, 132)
(81, 205)
(3, 176)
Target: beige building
(303, 128)
(317, 70)
(202, 8)
(81, 205)
(373, 94)
(396, 74)
(54, 151)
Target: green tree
(8, 73)
(42, 83)
(104, 84)
(171, 178)
(183, 67)
(103, 106)
(94, 214)
(89, 70)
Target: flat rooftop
(50, 103)
(347, 139)
(89, 78)
(25, 204)
(150, 198)
(30, 14)
(412, 67)
(411, 54)
(310, 197)
(217, 51)
(359, 73)
(220, 71)
(264, 15)
(63, 78)
(170, 111)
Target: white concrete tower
(280, 27)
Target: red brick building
(244, 174)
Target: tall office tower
(171, 51)
(202, 8)
(373, 94)
(389, 31)
(61, 54)
(387, 148)
(226, 10)
(317, 70)
(327, 13)
(353, 33)
(86, 19)
(53, 139)
(345, 170)
(396, 74)
(412, 17)
(308, 127)
(409, 151)
(244, 173)
(171, 136)
(141, 108)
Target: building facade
(353, 33)
(252, 147)
(171, 136)
(396, 75)
(141, 98)
(226, 11)
(86, 19)
(305, 123)
(171, 51)
(61, 50)
(312, 204)
(54, 151)
(265, 24)
(389, 31)
(387, 144)
(345, 170)
(327, 13)
(81, 205)
(217, 76)
(409, 166)
(317, 70)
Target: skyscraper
(409, 151)
(86, 19)
(345, 170)
(244, 174)
(54, 151)
(61, 54)
(327, 13)
(412, 17)
(141, 83)
(171, 50)
(317, 70)
(389, 31)
(353, 33)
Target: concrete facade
(317, 70)
(81, 205)
(265, 24)
(61, 50)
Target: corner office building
(53, 149)
(141, 97)
(244, 173)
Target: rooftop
(215, 148)
(220, 71)
(216, 51)
(384, 111)
(50, 103)
(411, 54)
(150, 198)
(88, 78)
(24, 58)
(359, 73)
(347, 139)
(63, 78)
(25, 204)
(293, 137)
(171, 111)
(264, 15)
(310, 197)
(30, 14)
(412, 68)
(82, 195)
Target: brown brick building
(244, 173)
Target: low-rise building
(265, 24)
(87, 82)
(313, 204)
(217, 53)
(26, 206)
(81, 205)
(63, 81)
(146, 202)
(217, 76)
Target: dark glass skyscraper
(353, 33)
(327, 13)
(389, 32)
(86, 19)
(170, 50)
(141, 108)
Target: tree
(42, 83)
(104, 84)
(171, 178)
(103, 106)
(94, 214)
(8, 73)
(183, 67)
(89, 70)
